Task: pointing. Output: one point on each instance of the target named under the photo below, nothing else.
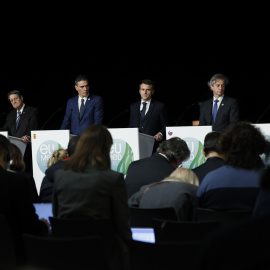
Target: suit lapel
(23, 119)
(150, 110)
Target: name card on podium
(194, 137)
(44, 143)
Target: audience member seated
(212, 153)
(177, 191)
(16, 204)
(56, 161)
(46, 185)
(236, 184)
(87, 187)
(17, 165)
(262, 205)
(169, 155)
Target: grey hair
(217, 77)
(14, 92)
(174, 149)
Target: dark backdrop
(43, 64)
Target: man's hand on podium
(26, 138)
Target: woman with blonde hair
(178, 190)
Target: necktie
(82, 106)
(143, 110)
(18, 119)
(215, 110)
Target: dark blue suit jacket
(228, 114)
(92, 114)
(154, 121)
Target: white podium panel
(194, 137)
(128, 145)
(265, 130)
(4, 133)
(44, 143)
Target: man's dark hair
(14, 92)
(72, 144)
(174, 149)
(212, 142)
(80, 78)
(148, 82)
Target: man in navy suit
(220, 111)
(83, 110)
(149, 115)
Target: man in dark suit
(20, 122)
(83, 110)
(212, 153)
(220, 111)
(169, 155)
(15, 203)
(149, 115)
(23, 119)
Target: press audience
(56, 162)
(16, 205)
(17, 165)
(236, 184)
(212, 153)
(169, 155)
(177, 191)
(86, 187)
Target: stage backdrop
(194, 137)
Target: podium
(128, 145)
(15, 140)
(44, 143)
(194, 137)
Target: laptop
(143, 234)
(44, 210)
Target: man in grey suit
(220, 111)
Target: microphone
(263, 114)
(182, 115)
(117, 116)
(58, 110)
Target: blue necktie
(18, 119)
(143, 110)
(215, 110)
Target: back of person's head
(4, 153)
(212, 142)
(183, 175)
(5, 141)
(58, 155)
(17, 163)
(174, 149)
(213, 79)
(242, 144)
(72, 145)
(92, 150)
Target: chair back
(142, 217)
(183, 231)
(65, 253)
(7, 248)
(223, 216)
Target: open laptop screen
(143, 234)
(44, 210)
